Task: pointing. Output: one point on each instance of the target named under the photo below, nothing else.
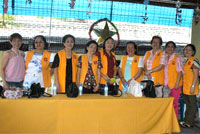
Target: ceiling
(191, 4)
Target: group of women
(96, 68)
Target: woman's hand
(123, 81)
(176, 86)
(58, 88)
(96, 88)
(148, 72)
(192, 90)
(129, 81)
(5, 86)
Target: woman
(38, 63)
(108, 61)
(154, 61)
(131, 66)
(173, 73)
(65, 65)
(13, 66)
(89, 66)
(190, 84)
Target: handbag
(36, 91)
(134, 88)
(149, 89)
(162, 91)
(72, 90)
(1, 91)
(113, 90)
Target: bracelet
(192, 86)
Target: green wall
(196, 38)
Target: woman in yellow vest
(38, 63)
(108, 60)
(131, 66)
(89, 66)
(173, 73)
(190, 84)
(65, 65)
(154, 61)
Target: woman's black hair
(134, 44)
(43, 38)
(157, 37)
(104, 42)
(174, 44)
(67, 36)
(89, 43)
(193, 48)
(15, 35)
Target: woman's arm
(4, 63)
(55, 70)
(121, 76)
(78, 77)
(195, 78)
(156, 69)
(178, 80)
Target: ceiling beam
(191, 4)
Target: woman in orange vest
(154, 61)
(89, 66)
(173, 73)
(131, 66)
(38, 63)
(190, 84)
(108, 60)
(65, 65)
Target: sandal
(185, 125)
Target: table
(88, 114)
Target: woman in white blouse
(38, 63)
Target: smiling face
(109, 44)
(130, 49)
(16, 43)
(69, 43)
(92, 48)
(156, 44)
(188, 51)
(39, 43)
(170, 48)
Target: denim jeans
(15, 84)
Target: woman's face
(109, 44)
(69, 43)
(188, 51)
(156, 44)
(130, 49)
(16, 43)
(39, 43)
(92, 48)
(170, 48)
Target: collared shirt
(179, 65)
(151, 59)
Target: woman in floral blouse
(89, 66)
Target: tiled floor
(193, 130)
